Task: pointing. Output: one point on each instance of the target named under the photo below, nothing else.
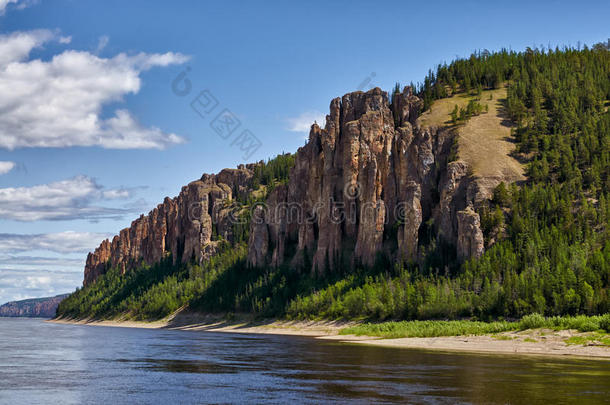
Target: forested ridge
(551, 246)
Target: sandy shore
(530, 342)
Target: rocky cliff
(365, 184)
(33, 308)
(371, 181)
(182, 226)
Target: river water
(44, 363)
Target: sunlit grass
(503, 337)
(402, 329)
(428, 328)
(598, 339)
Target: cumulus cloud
(6, 166)
(60, 102)
(15, 47)
(74, 198)
(303, 122)
(59, 242)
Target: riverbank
(210, 323)
(545, 342)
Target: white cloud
(62, 200)
(303, 122)
(35, 283)
(116, 193)
(65, 40)
(4, 4)
(6, 167)
(15, 47)
(27, 271)
(18, 4)
(59, 102)
(21, 4)
(60, 242)
(43, 262)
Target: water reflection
(180, 366)
(48, 363)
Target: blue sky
(92, 134)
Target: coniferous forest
(551, 250)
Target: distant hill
(34, 307)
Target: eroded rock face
(181, 226)
(363, 184)
(452, 187)
(470, 242)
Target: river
(46, 363)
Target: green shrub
(604, 322)
(584, 323)
(532, 321)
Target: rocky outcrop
(32, 308)
(182, 226)
(470, 242)
(453, 187)
(364, 184)
(369, 182)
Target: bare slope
(484, 141)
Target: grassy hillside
(486, 141)
(539, 119)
